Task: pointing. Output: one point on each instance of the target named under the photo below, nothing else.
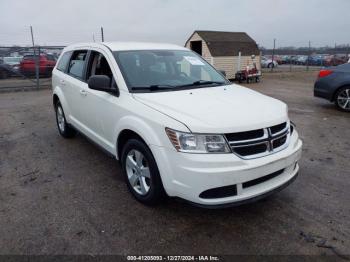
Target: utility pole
(102, 36)
(273, 53)
(31, 32)
(308, 57)
(93, 37)
(37, 57)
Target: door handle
(83, 92)
(62, 82)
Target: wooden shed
(227, 51)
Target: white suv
(176, 125)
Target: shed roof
(228, 43)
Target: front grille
(278, 128)
(260, 142)
(245, 135)
(279, 141)
(251, 149)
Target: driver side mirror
(102, 83)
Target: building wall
(229, 64)
(205, 50)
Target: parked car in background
(46, 64)
(285, 59)
(13, 61)
(333, 84)
(315, 60)
(176, 125)
(293, 59)
(301, 60)
(334, 60)
(268, 63)
(5, 70)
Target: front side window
(98, 65)
(77, 64)
(63, 63)
(166, 70)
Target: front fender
(150, 134)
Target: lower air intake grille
(262, 179)
(219, 192)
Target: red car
(46, 63)
(334, 60)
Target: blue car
(333, 84)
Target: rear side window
(63, 63)
(77, 64)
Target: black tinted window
(77, 63)
(62, 65)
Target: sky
(62, 22)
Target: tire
(270, 65)
(64, 128)
(141, 173)
(342, 99)
(3, 74)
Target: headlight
(197, 143)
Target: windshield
(9, 60)
(166, 70)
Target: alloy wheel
(60, 119)
(344, 99)
(138, 172)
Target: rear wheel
(141, 173)
(64, 128)
(342, 99)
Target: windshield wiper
(153, 87)
(204, 82)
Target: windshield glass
(9, 60)
(166, 70)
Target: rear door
(76, 87)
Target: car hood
(222, 109)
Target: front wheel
(342, 99)
(141, 173)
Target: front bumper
(188, 175)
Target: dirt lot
(62, 196)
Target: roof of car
(123, 46)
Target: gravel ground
(62, 196)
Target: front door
(101, 110)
